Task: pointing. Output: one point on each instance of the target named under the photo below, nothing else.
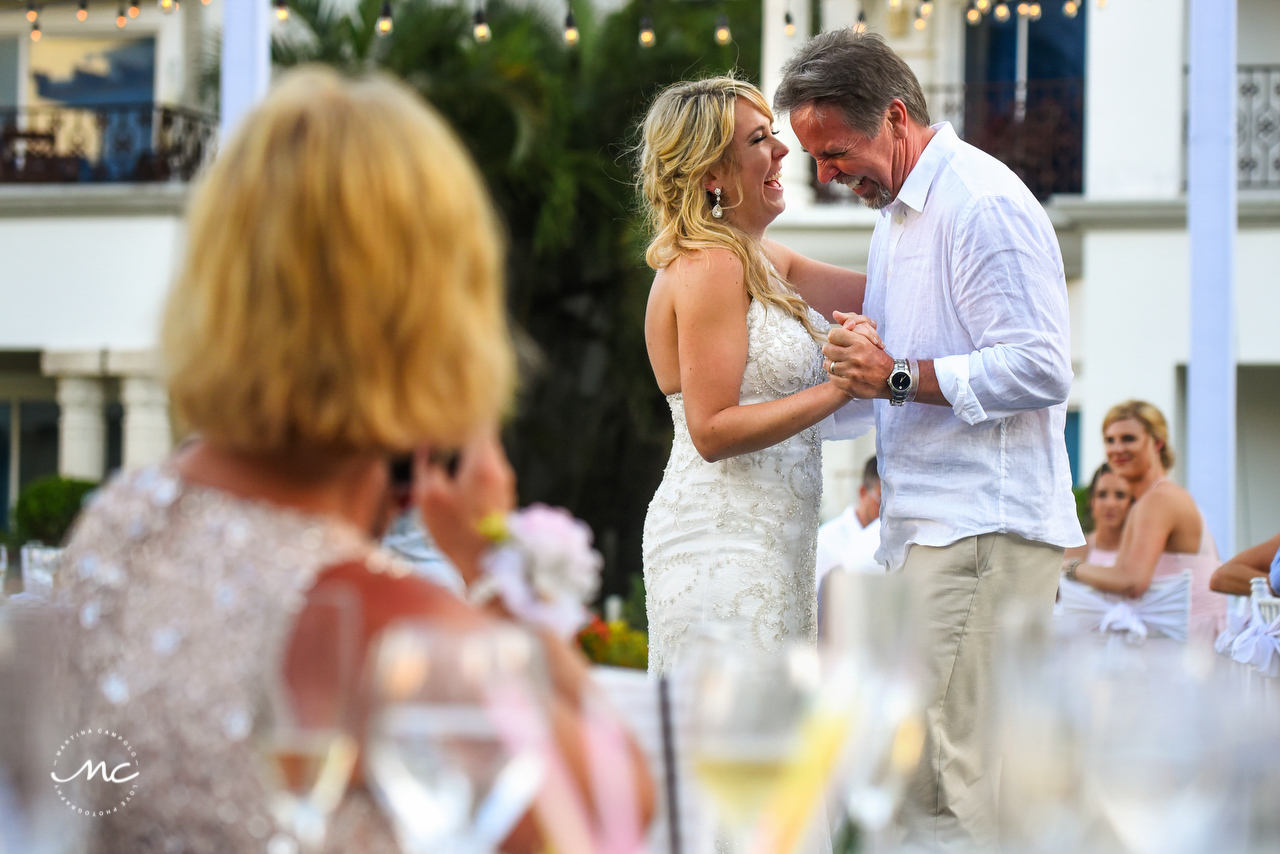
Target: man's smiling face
(848, 156)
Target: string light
(861, 26)
(83, 12)
(1102, 4)
(282, 10)
(1071, 8)
(894, 4)
(35, 31)
(384, 18)
(973, 16)
(1002, 12)
(921, 20)
(570, 28)
(121, 20)
(133, 9)
(984, 6)
(789, 24)
(926, 9)
(1034, 11)
(723, 36)
(167, 6)
(480, 26)
(31, 12)
(647, 37)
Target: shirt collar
(915, 190)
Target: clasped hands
(855, 357)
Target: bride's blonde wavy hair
(687, 132)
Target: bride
(734, 340)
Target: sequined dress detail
(180, 597)
(733, 543)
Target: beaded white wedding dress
(733, 543)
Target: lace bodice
(732, 543)
(180, 598)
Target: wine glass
(746, 728)
(304, 726)
(458, 739)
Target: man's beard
(882, 199)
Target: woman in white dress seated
(1164, 534)
(734, 341)
(1109, 501)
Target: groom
(965, 285)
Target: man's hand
(859, 364)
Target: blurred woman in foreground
(340, 302)
(1164, 533)
(1109, 501)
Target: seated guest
(340, 304)
(1164, 533)
(850, 540)
(1109, 501)
(1261, 561)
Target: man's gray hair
(856, 74)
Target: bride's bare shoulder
(716, 270)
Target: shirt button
(898, 219)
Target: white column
(147, 434)
(1211, 224)
(246, 59)
(776, 50)
(82, 428)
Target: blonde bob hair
(1151, 418)
(341, 286)
(687, 133)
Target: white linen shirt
(964, 269)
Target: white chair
(1163, 611)
(1258, 645)
(1239, 615)
(39, 562)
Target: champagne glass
(458, 739)
(746, 719)
(305, 722)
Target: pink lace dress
(1208, 609)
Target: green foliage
(1082, 508)
(47, 507)
(615, 644)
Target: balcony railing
(1036, 129)
(1258, 127)
(106, 143)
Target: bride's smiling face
(758, 174)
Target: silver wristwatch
(904, 379)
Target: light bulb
(133, 9)
(1034, 11)
(1070, 9)
(282, 10)
(31, 11)
(166, 5)
(121, 20)
(570, 29)
(1024, 9)
(861, 26)
(1002, 11)
(723, 36)
(82, 13)
(481, 27)
(926, 9)
(973, 16)
(921, 23)
(984, 6)
(647, 38)
(894, 4)
(384, 18)
(1102, 4)
(789, 24)
(35, 31)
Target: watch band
(899, 396)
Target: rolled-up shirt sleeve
(1010, 295)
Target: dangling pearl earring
(717, 211)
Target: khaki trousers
(964, 591)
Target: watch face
(900, 381)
